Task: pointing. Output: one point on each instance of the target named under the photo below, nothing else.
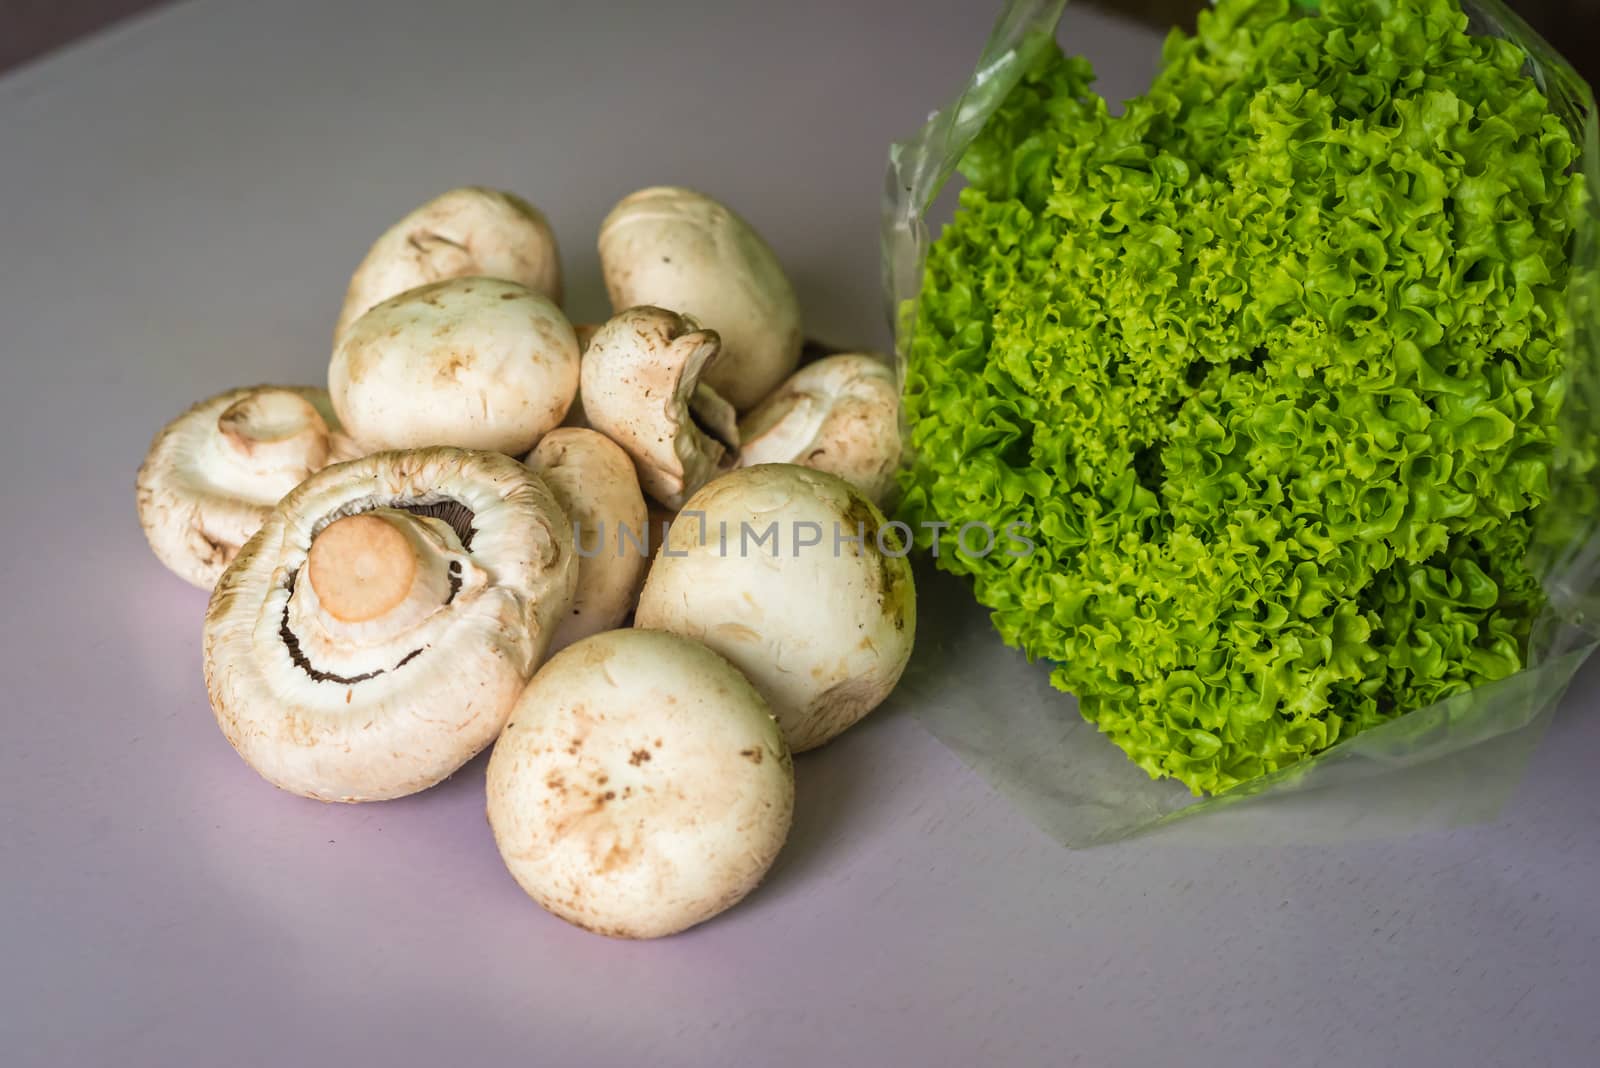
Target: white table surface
(180, 204)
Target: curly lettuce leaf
(1269, 363)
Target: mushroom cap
(333, 706)
(477, 363)
(213, 474)
(679, 249)
(823, 630)
(840, 415)
(640, 786)
(642, 388)
(462, 233)
(593, 481)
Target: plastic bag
(1452, 762)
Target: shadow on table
(834, 785)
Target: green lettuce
(1269, 364)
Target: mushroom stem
(714, 417)
(275, 433)
(385, 568)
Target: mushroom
(593, 481)
(478, 363)
(675, 248)
(214, 472)
(374, 634)
(642, 389)
(465, 232)
(640, 786)
(840, 414)
(790, 574)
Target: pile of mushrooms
(642, 557)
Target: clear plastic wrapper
(1450, 762)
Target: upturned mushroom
(594, 482)
(792, 575)
(679, 249)
(477, 363)
(213, 474)
(374, 634)
(642, 388)
(840, 415)
(640, 786)
(466, 232)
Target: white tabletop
(180, 204)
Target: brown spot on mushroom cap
(890, 574)
(616, 857)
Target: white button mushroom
(213, 474)
(374, 634)
(840, 415)
(640, 786)
(642, 389)
(780, 569)
(594, 483)
(675, 248)
(477, 363)
(465, 232)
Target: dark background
(29, 28)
